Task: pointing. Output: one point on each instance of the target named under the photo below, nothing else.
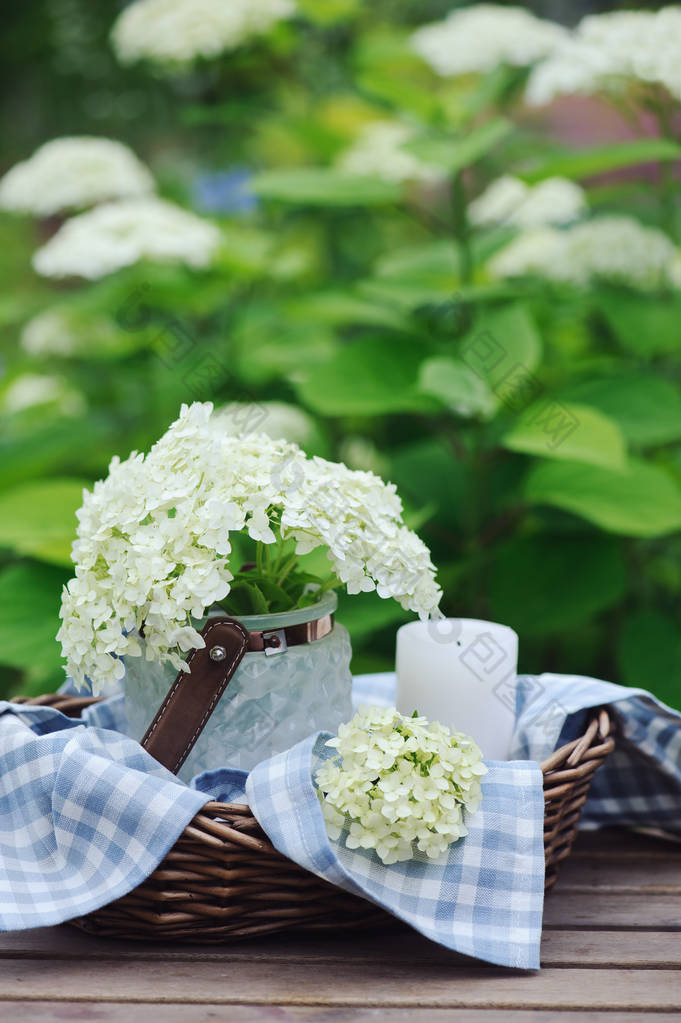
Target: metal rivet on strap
(217, 653)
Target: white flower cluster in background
(378, 151)
(34, 389)
(479, 38)
(71, 173)
(608, 51)
(511, 202)
(399, 784)
(181, 30)
(277, 419)
(63, 331)
(153, 539)
(614, 248)
(118, 234)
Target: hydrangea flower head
(511, 202)
(154, 539)
(607, 52)
(480, 37)
(378, 151)
(398, 784)
(72, 173)
(118, 234)
(613, 248)
(178, 31)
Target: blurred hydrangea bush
(367, 230)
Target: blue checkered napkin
(484, 900)
(85, 816)
(639, 785)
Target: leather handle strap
(193, 696)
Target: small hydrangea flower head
(73, 173)
(480, 37)
(118, 234)
(613, 248)
(179, 31)
(398, 785)
(610, 52)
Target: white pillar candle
(462, 673)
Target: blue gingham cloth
(86, 814)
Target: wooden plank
(579, 947)
(601, 911)
(110, 1012)
(620, 843)
(374, 984)
(606, 874)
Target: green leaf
(318, 186)
(649, 655)
(428, 470)
(645, 326)
(39, 519)
(368, 377)
(642, 500)
(503, 349)
(455, 154)
(646, 408)
(586, 162)
(546, 584)
(554, 429)
(366, 613)
(337, 308)
(30, 595)
(456, 385)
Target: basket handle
(193, 696)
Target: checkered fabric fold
(86, 814)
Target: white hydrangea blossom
(510, 201)
(608, 51)
(398, 783)
(478, 38)
(118, 234)
(378, 151)
(70, 173)
(181, 30)
(64, 331)
(153, 539)
(614, 248)
(32, 389)
(277, 419)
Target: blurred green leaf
(456, 385)
(369, 377)
(642, 500)
(597, 160)
(428, 470)
(318, 186)
(39, 519)
(647, 408)
(546, 584)
(30, 595)
(649, 654)
(340, 308)
(562, 430)
(365, 613)
(455, 154)
(644, 325)
(503, 349)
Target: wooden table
(612, 942)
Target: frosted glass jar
(272, 702)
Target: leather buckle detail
(194, 695)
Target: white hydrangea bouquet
(153, 548)
(398, 783)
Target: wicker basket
(223, 880)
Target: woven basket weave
(224, 880)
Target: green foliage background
(364, 304)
